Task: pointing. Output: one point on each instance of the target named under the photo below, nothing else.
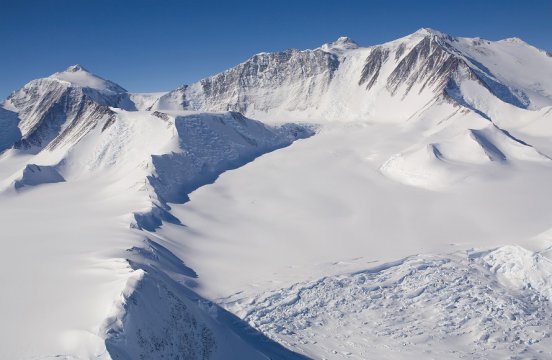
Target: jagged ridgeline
(340, 81)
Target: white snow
(415, 222)
(426, 306)
(144, 101)
(79, 76)
(326, 199)
(67, 233)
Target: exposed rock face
(374, 62)
(295, 81)
(262, 83)
(427, 63)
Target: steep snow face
(525, 70)
(211, 142)
(208, 145)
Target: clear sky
(155, 45)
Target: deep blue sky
(153, 45)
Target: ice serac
(160, 317)
(64, 107)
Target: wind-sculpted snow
(160, 317)
(438, 165)
(209, 145)
(475, 305)
(34, 175)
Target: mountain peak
(345, 40)
(77, 75)
(341, 44)
(514, 40)
(429, 32)
(76, 68)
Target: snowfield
(393, 202)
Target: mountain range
(301, 204)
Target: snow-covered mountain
(64, 106)
(78, 130)
(341, 81)
(404, 210)
(452, 87)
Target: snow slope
(79, 271)
(339, 293)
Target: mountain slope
(96, 185)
